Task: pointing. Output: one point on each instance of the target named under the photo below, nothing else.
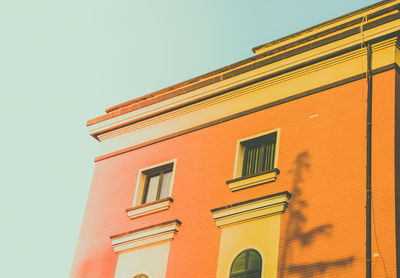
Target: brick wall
(322, 163)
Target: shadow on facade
(297, 236)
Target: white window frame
(141, 180)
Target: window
(259, 154)
(153, 189)
(247, 264)
(256, 160)
(157, 184)
(253, 226)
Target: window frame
(255, 145)
(151, 170)
(154, 172)
(241, 146)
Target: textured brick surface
(322, 163)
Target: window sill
(149, 208)
(253, 180)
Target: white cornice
(251, 210)
(242, 99)
(250, 76)
(272, 83)
(148, 209)
(141, 238)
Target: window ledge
(253, 180)
(149, 208)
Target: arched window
(141, 276)
(247, 264)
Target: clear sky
(62, 62)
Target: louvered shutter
(247, 264)
(259, 155)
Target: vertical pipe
(368, 167)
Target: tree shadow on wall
(297, 234)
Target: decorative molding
(385, 23)
(200, 100)
(249, 111)
(143, 237)
(266, 81)
(253, 180)
(149, 208)
(244, 97)
(251, 210)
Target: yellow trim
(270, 68)
(249, 211)
(262, 235)
(270, 90)
(254, 224)
(164, 118)
(144, 238)
(252, 181)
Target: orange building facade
(257, 169)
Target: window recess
(256, 160)
(157, 185)
(153, 189)
(259, 154)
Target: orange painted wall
(397, 165)
(322, 163)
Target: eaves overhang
(375, 22)
(324, 28)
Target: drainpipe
(368, 167)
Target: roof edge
(372, 6)
(215, 76)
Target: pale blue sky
(63, 62)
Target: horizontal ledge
(286, 193)
(250, 111)
(150, 203)
(145, 237)
(253, 180)
(254, 175)
(237, 68)
(251, 210)
(149, 208)
(175, 221)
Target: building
(262, 168)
